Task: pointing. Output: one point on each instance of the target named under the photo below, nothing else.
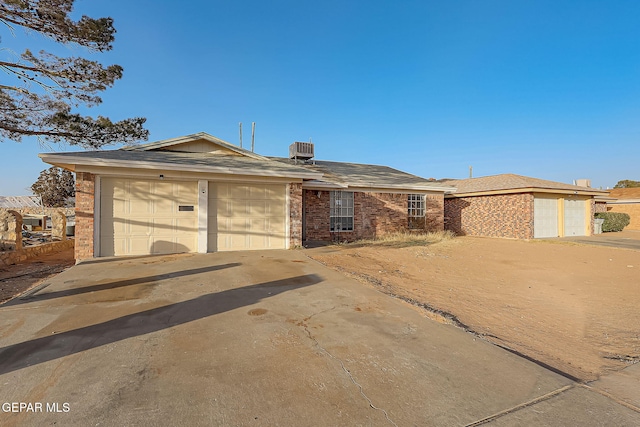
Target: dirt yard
(16, 279)
(575, 308)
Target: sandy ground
(18, 278)
(572, 307)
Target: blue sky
(549, 89)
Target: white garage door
(247, 216)
(140, 217)
(545, 217)
(574, 218)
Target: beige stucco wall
(633, 209)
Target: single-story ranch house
(519, 207)
(198, 193)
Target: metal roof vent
(301, 150)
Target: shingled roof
(363, 176)
(625, 193)
(510, 183)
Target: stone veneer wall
(85, 192)
(295, 214)
(39, 211)
(375, 214)
(29, 252)
(503, 215)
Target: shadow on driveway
(118, 284)
(55, 346)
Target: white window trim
(419, 210)
(332, 209)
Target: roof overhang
(366, 187)
(70, 163)
(528, 190)
(623, 201)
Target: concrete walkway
(265, 339)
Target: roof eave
(134, 164)
(529, 190)
(413, 187)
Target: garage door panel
(136, 227)
(239, 192)
(238, 225)
(186, 224)
(574, 217)
(247, 216)
(162, 246)
(237, 207)
(137, 206)
(142, 217)
(258, 208)
(162, 206)
(545, 217)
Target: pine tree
(43, 88)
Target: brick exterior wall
(295, 214)
(85, 192)
(505, 215)
(316, 215)
(598, 207)
(434, 218)
(374, 215)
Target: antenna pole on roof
(470, 171)
(240, 125)
(253, 135)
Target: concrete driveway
(260, 339)
(626, 239)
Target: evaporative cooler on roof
(301, 150)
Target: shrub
(613, 221)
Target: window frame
(416, 210)
(341, 211)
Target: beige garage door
(545, 217)
(140, 217)
(246, 216)
(574, 218)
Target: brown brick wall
(316, 215)
(633, 209)
(85, 191)
(505, 215)
(598, 206)
(295, 214)
(374, 215)
(434, 206)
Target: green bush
(613, 221)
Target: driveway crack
(516, 408)
(344, 368)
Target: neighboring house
(198, 193)
(519, 207)
(17, 202)
(627, 200)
